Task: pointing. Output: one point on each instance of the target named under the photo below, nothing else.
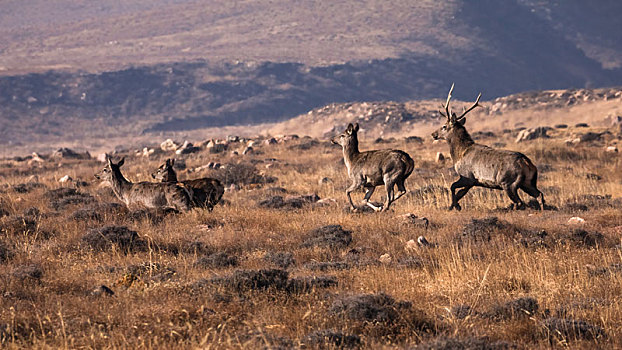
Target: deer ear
(108, 159)
(356, 127)
(121, 162)
(349, 128)
(461, 121)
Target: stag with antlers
(479, 165)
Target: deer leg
(368, 193)
(401, 189)
(460, 183)
(352, 188)
(512, 192)
(388, 184)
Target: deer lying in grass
(373, 168)
(479, 165)
(205, 192)
(156, 195)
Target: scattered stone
(590, 136)
(217, 148)
(569, 329)
(217, 260)
(65, 178)
(581, 125)
(169, 146)
(611, 149)
(385, 258)
(248, 150)
(187, 148)
(423, 242)
(561, 126)
(330, 236)
(102, 290)
(66, 153)
(532, 134)
(270, 141)
(575, 220)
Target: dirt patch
(96, 212)
(331, 339)
(330, 236)
(105, 238)
(217, 260)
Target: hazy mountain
(113, 68)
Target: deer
(154, 195)
(373, 168)
(204, 192)
(483, 166)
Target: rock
(581, 125)
(575, 220)
(102, 157)
(411, 245)
(590, 136)
(324, 181)
(412, 219)
(270, 141)
(532, 134)
(611, 149)
(217, 148)
(66, 153)
(423, 242)
(248, 150)
(440, 157)
(168, 145)
(385, 258)
(102, 290)
(146, 152)
(65, 178)
(187, 148)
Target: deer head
(110, 170)
(346, 137)
(165, 172)
(452, 122)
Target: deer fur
(373, 168)
(204, 192)
(156, 195)
(482, 166)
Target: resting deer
(156, 195)
(205, 192)
(373, 168)
(479, 165)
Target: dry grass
(245, 276)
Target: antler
(476, 104)
(446, 106)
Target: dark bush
(327, 265)
(307, 284)
(95, 212)
(31, 272)
(331, 339)
(105, 238)
(217, 260)
(27, 187)
(469, 343)
(462, 311)
(5, 253)
(330, 236)
(241, 174)
(18, 225)
(244, 280)
(481, 230)
(369, 307)
(517, 308)
(582, 237)
(155, 216)
(280, 259)
(569, 329)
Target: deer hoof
(455, 206)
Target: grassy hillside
(256, 273)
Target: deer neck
(171, 176)
(120, 185)
(459, 141)
(350, 152)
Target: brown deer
(204, 192)
(156, 195)
(373, 168)
(479, 165)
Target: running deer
(373, 168)
(204, 192)
(479, 165)
(156, 195)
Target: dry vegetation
(80, 270)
